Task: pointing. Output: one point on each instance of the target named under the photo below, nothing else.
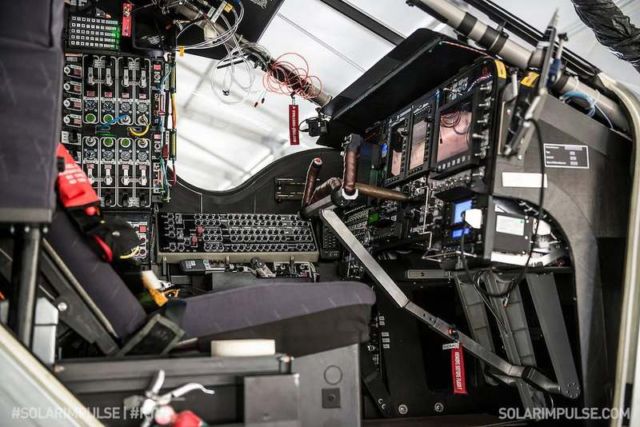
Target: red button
(142, 229)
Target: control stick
(310, 181)
(350, 167)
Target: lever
(350, 170)
(310, 182)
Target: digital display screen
(418, 144)
(384, 150)
(455, 127)
(459, 209)
(398, 134)
(396, 162)
(457, 233)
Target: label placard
(566, 156)
(510, 225)
(458, 374)
(294, 131)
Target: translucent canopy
(223, 140)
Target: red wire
(286, 78)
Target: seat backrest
(31, 62)
(98, 278)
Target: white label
(523, 179)
(509, 225)
(566, 156)
(451, 345)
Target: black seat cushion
(97, 277)
(303, 318)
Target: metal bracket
(514, 332)
(23, 279)
(382, 279)
(544, 294)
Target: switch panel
(114, 125)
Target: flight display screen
(459, 209)
(457, 233)
(396, 162)
(396, 153)
(418, 144)
(455, 127)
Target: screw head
(438, 407)
(403, 409)
(62, 306)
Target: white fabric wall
(220, 146)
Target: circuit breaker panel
(113, 119)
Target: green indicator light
(374, 217)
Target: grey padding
(250, 306)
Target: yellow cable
(133, 253)
(140, 134)
(174, 113)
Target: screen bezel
(466, 157)
(398, 120)
(420, 113)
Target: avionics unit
(465, 121)
(491, 229)
(398, 129)
(422, 127)
(235, 237)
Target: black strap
(157, 337)
(374, 385)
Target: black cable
(470, 279)
(514, 282)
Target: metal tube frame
(498, 43)
(23, 278)
(627, 372)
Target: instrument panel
(444, 131)
(440, 151)
(236, 237)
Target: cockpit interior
(449, 239)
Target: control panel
(299, 270)
(235, 237)
(438, 152)
(114, 124)
(87, 32)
